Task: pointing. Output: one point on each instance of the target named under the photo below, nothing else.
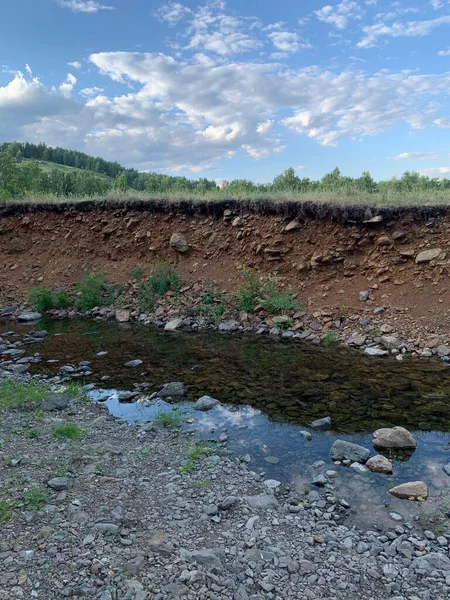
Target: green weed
(6, 511)
(43, 299)
(22, 395)
(163, 279)
(33, 434)
(169, 418)
(212, 306)
(137, 273)
(195, 453)
(264, 291)
(34, 497)
(68, 431)
(90, 291)
(330, 338)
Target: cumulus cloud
(75, 64)
(91, 91)
(436, 172)
(172, 13)
(415, 155)
(341, 14)
(444, 52)
(286, 41)
(410, 29)
(83, 6)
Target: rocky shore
(146, 512)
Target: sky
(230, 89)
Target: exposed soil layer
(326, 253)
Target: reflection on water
(270, 390)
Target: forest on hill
(36, 171)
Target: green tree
(120, 183)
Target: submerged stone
(321, 423)
(412, 490)
(342, 449)
(206, 403)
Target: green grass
(330, 338)
(194, 454)
(90, 291)
(169, 418)
(259, 290)
(22, 395)
(67, 431)
(6, 511)
(212, 306)
(33, 434)
(137, 273)
(35, 497)
(340, 197)
(163, 279)
(43, 299)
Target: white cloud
(28, 70)
(442, 123)
(416, 155)
(91, 91)
(286, 41)
(75, 64)
(84, 6)
(172, 13)
(396, 12)
(397, 29)
(436, 172)
(341, 14)
(444, 52)
(66, 88)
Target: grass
(137, 273)
(264, 291)
(169, 418)
(31, 498)
(90, 292)
(67, 431)
(212, 306)
(43, 299)
(330, 338)
(28, 396)
(6, 511)
(194, 454)
(342, 196)
(22, 395)
(35, 497)
(162, 280)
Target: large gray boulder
(262, 501)
(29, 316)
(206, 403)
(55, 402)
(342, 450)
(173, 389)
(395, 437)
(428, 255)
(179, 243)
(380, 464)
(431, 562)
(412, 490)
(322, 423)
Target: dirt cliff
(327, 255)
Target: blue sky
(232, 89)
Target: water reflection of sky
(271, 390)
(251, 432)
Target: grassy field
(340, 197)
(47, 167)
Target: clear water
(270, 390)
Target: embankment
(326, 253)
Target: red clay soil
(325, 262)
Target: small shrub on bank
(330, 338)
(264, 291)
(163, 279)
(89, 291)
(43, 299)
(212, 306)
(67, 431)
(169, 418)
(137, 273)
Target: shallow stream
(270, 390)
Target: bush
(263, 291)
(212, 306)
(89, 292)
(137, 273)
(43, 299)
(163, 279)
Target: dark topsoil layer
(305, 210)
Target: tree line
(22, 174)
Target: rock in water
(179, 243)
(375, 352)
(413, 490)
(29, 316)
(122, 315)
(206, 403)
(341, 450)
(397, 437)
(173, 324)
(133, 363)
(173, 389)
(380, 464)
(447, 469)
(321, 423)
